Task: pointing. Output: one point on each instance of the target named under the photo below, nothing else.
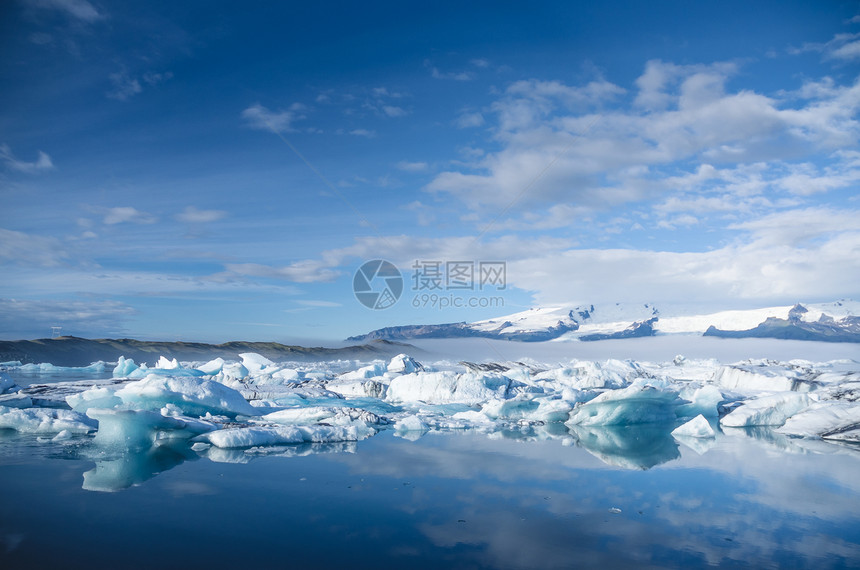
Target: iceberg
(639, 403)
(829, 420)
(140, 429)
(762, 376)
(236, 438)
(194, 396)
(448, 387)
(697, 427)
(45, 420)
(320, 414)
(771, 410)
(212, 367)
(124, 367)
(7, 385)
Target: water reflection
(132, 467)
(630, 447)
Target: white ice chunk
(140, 429)
(771, 410)
(48, 368)
(98, 397)
(703, 401)
(235, 438)
(525, 407)
(404, 364)
(212, 367)
(585, 374)
(639, 403)
(194, 396)
(44, 420)
(823, 419)
(318, 414)
(124, 367)
(411, 423)
(449, 387)
(7, 385)
(770, 376)
(697, 427)
(165, 364)
(16, 400)
(365, 372)
(256, 363)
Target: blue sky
(205, 171)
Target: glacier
(628, 413)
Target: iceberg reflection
(631, 447)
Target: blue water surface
(620, 498)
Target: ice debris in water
(697, 427)
(228, 410)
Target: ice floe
(632, 414)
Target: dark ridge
(824, 330)
(74, 351)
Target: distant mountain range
(74, 351)
(831, 322)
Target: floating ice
(44, 420)
(761, 375)
(639, 403)
(212, 367)
(771, 410)
(320, 414)
(824, 419)
(697, 427)
(194, 396)
(140, 429)
(280, 435)
(585, 374)
(256, 363)
(165, 364)
(703, 401)
(7, 385)
(124, 367)
(411, 423)
(98, 397)
(403, 364)
(48, 368)
(16, 400)
(451, 387)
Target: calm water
(621, 498)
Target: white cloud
(412, 166)
(259, 117)
(26, 249)
(557, 146)
(392, 111)
(468, 120)
(78, 9)
(843, 46)
(308, 271)
(363, 133)
(310, 303)
(34, 318)
(43, 162)
(455, 75)
(123, 214)
(194, 216)
(124, 86)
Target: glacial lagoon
(498, 483)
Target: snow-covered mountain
(836, 322)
